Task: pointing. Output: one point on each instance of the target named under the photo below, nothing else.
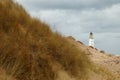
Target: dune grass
(28, 46)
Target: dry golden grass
(5, 76)
(28, 47)
(103, 72)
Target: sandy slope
(110, 62)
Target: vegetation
(29, 50)
(103, 72)
(102, 51)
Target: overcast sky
(80, 17)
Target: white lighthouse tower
(91, 39)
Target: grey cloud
(106, 20)
(107, 42)
(67, 4)
(117, 36)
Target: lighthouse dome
(91, 33)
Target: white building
(91, 39)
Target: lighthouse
(91, 39)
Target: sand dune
(105, 60)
